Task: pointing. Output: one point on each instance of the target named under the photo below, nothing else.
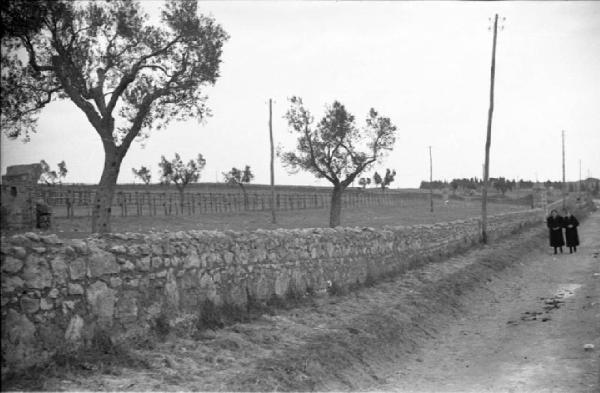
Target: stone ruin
(20, 194)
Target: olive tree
(240, 177)
(335, 148)
(180, 174)
(127, 75)
(144, 174)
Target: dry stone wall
(58, 294)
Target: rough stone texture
(12, 265)
(121, 283)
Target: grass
(412, 212)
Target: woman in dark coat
(570, 224)
(555, 224)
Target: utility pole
(273, 218)
(430, 181)
(564, 185)
(580, 185)
(488, 140)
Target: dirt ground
(508, 317)
(524, 333)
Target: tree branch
(130, 77)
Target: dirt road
(525, 333)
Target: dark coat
(555, 225)
(571, 233)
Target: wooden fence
(78, 202)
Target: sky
(426, 65)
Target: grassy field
(412, 213)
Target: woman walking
(555, 224)
(570, 224)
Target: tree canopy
(335, 148)
(180, 174)
(239, 176)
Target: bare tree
(180, 174)
(126, 75)
(335, 149)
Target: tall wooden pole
(488, 140)
(564, 184)
(430, 181)
(580, 185)
(273, 218)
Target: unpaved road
(523, 333)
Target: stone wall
(58, 294)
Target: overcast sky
(426, 65)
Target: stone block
(36, 273)
(101, 262)
(75, 289)
(77, 268)
(11, 265)
(29, 305)
(101, 299)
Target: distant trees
(502, 185)
(334, 148)
(52, 177)
(240, 177)
(454, 186)
(143, 174)
(180, 174)
(388, 178)
(384, 181)
(126, 74)
(377, 180)
(364, 182)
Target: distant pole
(564, 184)
(580, 185)
(273, 218)
(488, 140)
(430, 181)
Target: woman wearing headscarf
(555, 225)
(570, 224)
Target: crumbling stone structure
(19, 196)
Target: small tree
(388, 178)
(335, 149)
(377, 180)
(175, 171)
(239, 177)
(143, 174)
(51, 177)
(364, 182)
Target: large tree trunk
(101, 210)
(335, 212)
